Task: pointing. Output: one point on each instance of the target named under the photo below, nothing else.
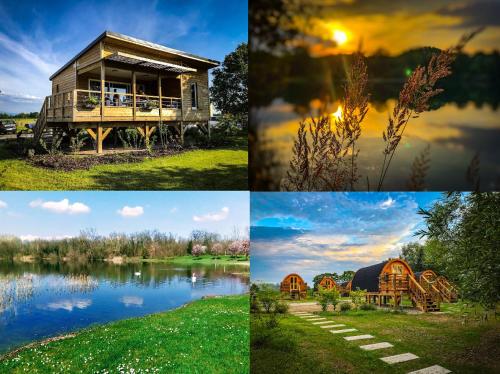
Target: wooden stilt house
(294, 285)
(327, 283)
(121, 81)
(387, 283)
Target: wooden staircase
(426, 300)
(41, 123)
(447, 291)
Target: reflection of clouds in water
(132, 301)
(69, 305)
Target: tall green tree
(465, 234)
(229, 91)
(414, 254)
(346, 276)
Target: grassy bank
(204, 169)
(205, 260)
(299, 346)
(207, 336)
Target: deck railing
(62, 104)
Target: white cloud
(213, 217)
(3, 204)
(128, 211)
(387, 203)
(62, 206)
(132, 301)
(69, 305)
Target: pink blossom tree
(198, 250)
(218, 249)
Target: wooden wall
(202, 113)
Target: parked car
(7, 126)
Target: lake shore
(210, 335)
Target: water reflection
(39, 300)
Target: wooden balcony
(95, 106)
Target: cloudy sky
(396, 26)
(38, 37)
(313, 233)
(58, 214)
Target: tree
(189, 248)
(218, 249)
(465, 236)
(358, 297)
(229, 91)
(199, 249)
(346, 276)
(267, 297)
(414, 254)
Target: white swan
(137, 273)
(193, 278)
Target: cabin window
(118, 87)
(57, 88)
(194, 95)
(397, 269)
(293, 283)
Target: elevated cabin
(388, 281)
(327, 283)
(344, 288)
(121, 81)
(440, 285)
(294, 285)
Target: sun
(338, 113)
(339, 36)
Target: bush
(344, 307)
(366, 306)
(281, 308)
(358, 297)
(268, 298)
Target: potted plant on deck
(150, 104)
(90, 102)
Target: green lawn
(299, 346)
(205, 260)
(207, 336)
(213, 169)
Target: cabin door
(294, 284)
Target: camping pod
(426, 275)
(344, 288)
(387, 282)
(327, 282)
(294, 285)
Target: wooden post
(103, 77)
(159, 94)
(182, 132)
(99, 138)
(134, 89)
(182, 98)
(208, 127)
(146, 135)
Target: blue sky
(59, 214)
(38, 37)
(313, 233)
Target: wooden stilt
(99, 139)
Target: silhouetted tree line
(19, 115)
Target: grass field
(212, 169)
(299, 346)
(207, 336)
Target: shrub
(344, 307)
(358, 297)
(281, 308)
(367, 306)
(268, 298)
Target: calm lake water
(44, 300)
(455, 134)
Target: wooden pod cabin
(327, 283)
(294, 285)
(121, 81)
(388, 281)
(344, 288)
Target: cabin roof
(144, 43)
(344, 284)
(367, 278)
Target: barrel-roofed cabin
(294, 285)
(327, 282)
(121, 81)
(388, 281)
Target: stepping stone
(399, 358)
(315, 319)
(436, 369)
(330, 326)
(358, 337)
(299, 313)
(342, 331)
(322, 322)
(372, 347)
(307, 316)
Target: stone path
(391, 360)
(436, 369)
(372, 347)
(403, 357)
